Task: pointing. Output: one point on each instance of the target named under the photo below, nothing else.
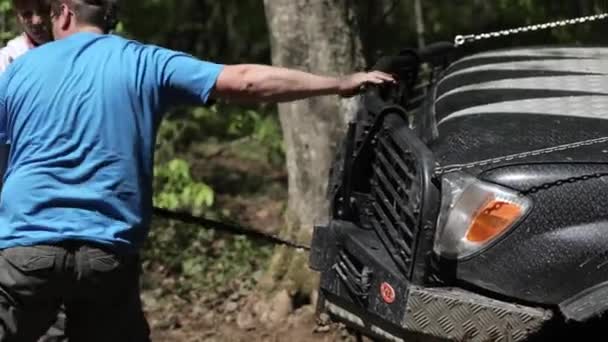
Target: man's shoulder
(13, 50)
(16, 46)
(70, 45)
(19, 42)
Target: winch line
(230, 228)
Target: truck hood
(498, 104)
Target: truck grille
(396, 198)
(355, 276)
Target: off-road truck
(472, 207)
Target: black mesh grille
(396, 199)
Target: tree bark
(319, 36)
(419, 23)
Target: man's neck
(89, 28)
(79, 29)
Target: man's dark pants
(99, 290)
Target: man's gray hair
(101, 13)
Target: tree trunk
(319, 36)
(419, 23)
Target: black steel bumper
(362, 287)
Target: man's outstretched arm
(262, 83)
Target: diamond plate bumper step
(450, 314)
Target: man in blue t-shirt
(81, 115)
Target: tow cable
(459, 41)
(230, 228)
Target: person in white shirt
(33, 16)
(34, 19)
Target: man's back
(81, 119)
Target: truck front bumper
(361, 287)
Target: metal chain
(464, 39)
(460, 167)
(570, 180)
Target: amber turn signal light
(492, 220)
(474, 214)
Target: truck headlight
(475, 213)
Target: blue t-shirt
(81, 115)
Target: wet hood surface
(502, 103)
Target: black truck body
(472, 208)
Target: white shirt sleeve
(15, 48)
(5, 59)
